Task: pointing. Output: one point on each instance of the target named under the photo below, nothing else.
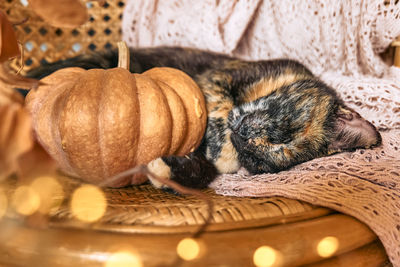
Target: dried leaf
(19, 152)
(15, 137)
(61, 13)
(9, 79)
(8, 41)
(36, 162)
(8, 96)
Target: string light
(266, 256)
(88, 203)
(327, 246)
(188, 249)
(50, 192)
(124, 259)
(3, 203)
(25, 200)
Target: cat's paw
(161, 169)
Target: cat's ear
(352, 131)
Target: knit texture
(340, 42)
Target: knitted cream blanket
(340, 42)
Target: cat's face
(271, 137)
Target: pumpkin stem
(123, 55)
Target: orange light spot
(266, 256)
(327, 246)
(50, 192)
(188, 249)
(88, 203)
(124, 258)
(25, 200)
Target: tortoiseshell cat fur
(265, 116)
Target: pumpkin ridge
(117, 122)
(41, 103)
(59, 104)
(50, 101)
(155, 124)
(169, 115)
(192, 98)
(100, 124)
(79, 127)
(61, 127)
(138, 114)
(175, 103)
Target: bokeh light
(50, 192)
(25, 200)
(3, 203)
(88, 203)
(188, 249)
(327, 246)
(124, 259)
(266, 256)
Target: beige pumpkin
(97, 123)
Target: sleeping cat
(265, 116)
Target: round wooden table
(148, 224)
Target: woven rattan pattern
(146, 206)
(44, 43)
